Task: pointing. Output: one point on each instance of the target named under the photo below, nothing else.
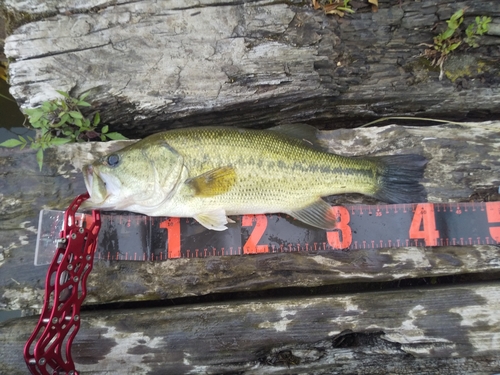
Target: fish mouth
(95, 186)
(88, 177)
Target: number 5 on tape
(493, 215)
(423, 224)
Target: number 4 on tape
(423, 224)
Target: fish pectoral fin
(215, 220)
(214, 182)
(318, 214)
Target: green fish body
(211, 172)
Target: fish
(210, 173)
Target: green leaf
(459, 13)
(115, 136)
(64, 118)
(22, 139)
(454, 46)
(103, 137)
(35, 115)
(76, 115)
(30, 111)
(82, 103)
(59, 141)
(46, 106)
(65, 94)
(84, 95)
(39, 158)
(105, 129)
(78, 122)
(11, 143)
(448, 34)
(97, 119)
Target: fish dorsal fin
(215, 220)
(306, 133)
(318, 214)
(214, 182)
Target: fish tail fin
(399, 178)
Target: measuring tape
(133, 237)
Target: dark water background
(11, 125)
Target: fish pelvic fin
(214, 220)
(318, 214)
(399, 178)
(214, 182)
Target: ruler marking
(358, 227)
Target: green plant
(60, 121)
(475, 30)
(346, 7)
(445, 42)
(450, 39)
(338, 7)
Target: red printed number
(341, 228)
(493, 215)
(173, 227)
(423, 224)
(251, 246)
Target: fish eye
(113, 160)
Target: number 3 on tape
(423, 224)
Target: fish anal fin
(214, 220)
(214, 182)
(318, 214)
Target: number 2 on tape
(251, 246)
(423, 224)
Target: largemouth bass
(211, 172)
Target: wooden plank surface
(448, 330)
(150, 64)
(463, 163)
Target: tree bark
(150, 65)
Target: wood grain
(463, 162)
(155, 64)
(446, 330)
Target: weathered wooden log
(463, 163)
(450, 330)
(151, 64)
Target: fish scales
(271, 169)
(211, 172)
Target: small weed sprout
(476, 29)
(450, 39)
(60, 121)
